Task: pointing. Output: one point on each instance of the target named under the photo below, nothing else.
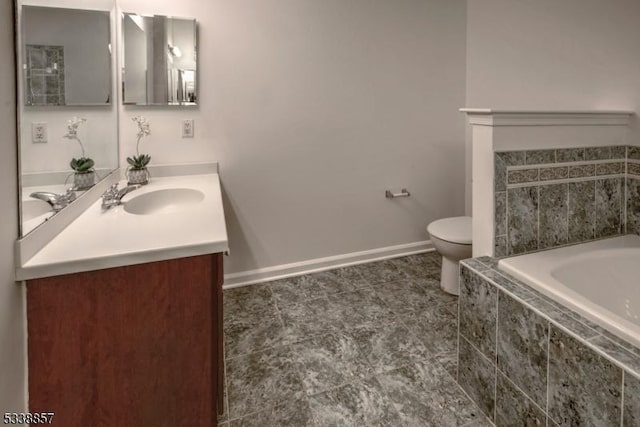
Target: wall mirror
(67, 56)
(159, 60)
(68, 133)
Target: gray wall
(12, 316)
(313, 109)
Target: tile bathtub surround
(584, 387)
(551, 365)
(549, 198)
(372, 344)
(478, 312)
(633, 205)
(522, 347)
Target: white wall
(12, 316)
(313, 109)
(547, 54)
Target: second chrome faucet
(113, 196)
(57, 201)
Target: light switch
(38, 132)
(187, 128)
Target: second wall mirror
(159, 60)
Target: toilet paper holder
(403, 193)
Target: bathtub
(600, 280)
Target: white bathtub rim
(549, 286)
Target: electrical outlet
(187, 128)
(38, 132)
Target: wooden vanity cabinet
(139, 345)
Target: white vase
(138, 176)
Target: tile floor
(368, 345)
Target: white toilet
(452, 239)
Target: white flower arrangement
(83, 164)
(140, 161)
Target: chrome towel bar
(403, 193)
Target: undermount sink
(163, 201)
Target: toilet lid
(455, 230)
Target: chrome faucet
(57, 201)
(113, 196)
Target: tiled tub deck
(527, 360)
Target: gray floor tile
(298, 289)
(361, 403)
(310, 318)
(301, 288)
(449, 361)
(390, 347)
(426, 266)
(247, 299)
(384, 271)
(436, 327)
(483, 422)
(295, 413)
(312, 350)
(346, 279)
(251, 331)
(328, 361)
(425, 395)
(411, 295)
(436, 294)
(361, 307)
(262, 379)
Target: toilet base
(450, 276)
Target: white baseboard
(275, 272)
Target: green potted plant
(84, 176)
(137, 172)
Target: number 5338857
(27, 417)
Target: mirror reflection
(159, 60)
(68, 120)
(67, 56)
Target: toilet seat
(454, 230)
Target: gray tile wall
(525, 360)
(549, 198)
(633, 190)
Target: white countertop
(100, 238)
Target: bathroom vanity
(124, 310)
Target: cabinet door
(129, 346)
(63, 349)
